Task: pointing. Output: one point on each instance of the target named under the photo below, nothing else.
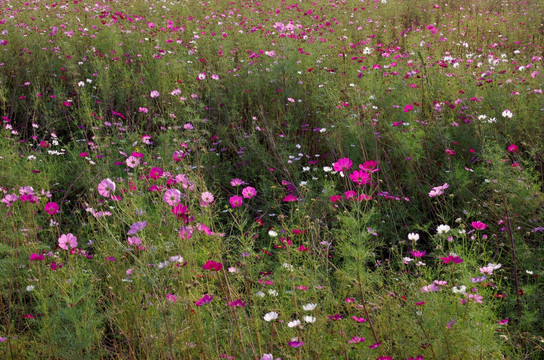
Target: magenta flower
(235, 201)
(204, 300)
(67, 241)
(154, 94)
(356, 340)
(296, 344)
(478, 225)
(51, 208)
(172, 197)
(36, 257)
(513, 148)
(106, 187)
(171, 297)
(249, 192)
(358, 319)
(237, 182)
(155, 173)
(336, 198)
(238, 302)
(350, 194)
(408, 108)
(343, 164)
(369, 166)
(290, 198)
(360, 177)
(417, 254)
(212, 266)
(451, 258)
(181, 212)
(375, 345)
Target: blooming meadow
(271, 179)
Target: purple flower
(205, 299)
(134, 228)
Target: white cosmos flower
(272, 233)
(270, 316)
(461, 289)
(309, 307)
(309, 319)
(443, 229)
(293, 323)
(413, 236)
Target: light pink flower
(249, 192)
(132, 162)
(106, 187)
(172, 197)
(67, 241)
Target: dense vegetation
(274, 179)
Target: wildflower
(443, 229)
(513, 148)
(477, 280)
(171, 297)
(507, 114)
(238, 302)
(293, 323)
(478, 225)
(249, 192)
(270, 316)
(181, 212)
(461, 289)
(413, 236)
(430, 288)
(451, 258)
(132, 162)
(106, 187)
(155, 173)
(356, 340)
(503, 321)
(207, 197)
(204, 300)
(358, 319)
(133, 240)
(172, 197)
(375, 345)
(67, 241)
(51, 208)
(309, 307)
(134, 228)
(212, 266)
(235, 201)
(408, 108)
(309, 319)
(36, 257)
(438, 190)
(417, 254)
(343, 164)
(296, 344)
(154, 94)
(360, 177)
(237, 182)
(290, 198)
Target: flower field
(291, 179)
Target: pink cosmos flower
(249, 192)
(237, 182)
(207, 197)
(205, 299)
(155, 173)
(360, 177)
(478, 225)
(343, 164)
(154, 94)
(212, 266)
(356, 340)
(67, 241)
(451, 258)
(172, 197)
(132, 162)
(350, 194)
(358, 319)
(106, 187)
(51, 208)
(36, 257)
(290, 198)
(336, 198)
(9, 199)
(235, 201)
(133, 240)
(369, 166)
(513, 148)
(408, 108)
(185, 233)
(171, 297)
(134, 228)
